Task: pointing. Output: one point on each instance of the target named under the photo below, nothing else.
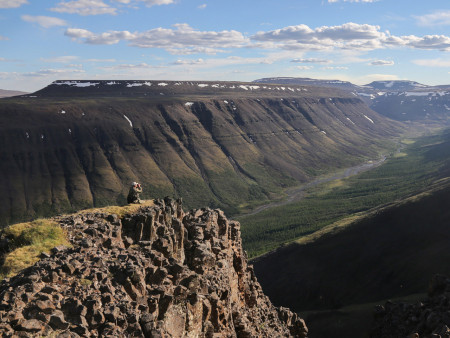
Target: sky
(231, 40)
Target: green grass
(420, 164)
(27, 242)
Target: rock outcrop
(429, 318)
(156, 273)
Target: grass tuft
(27, 241)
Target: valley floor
(351, 243)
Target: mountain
(75, 144)
(397, 85)
(8, 93)
(400, 100)
(157, 272)
(304, 81)
(392, 252)
(418, 105)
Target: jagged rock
(426, 319)
(187, 276)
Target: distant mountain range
(75, 144)
(399, 100)
(9, 93)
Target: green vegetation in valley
(418, 165)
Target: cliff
(78, 144)
(427, 319)
(156, 273)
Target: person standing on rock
(133, 195)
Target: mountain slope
(76, 144)
(399, 100)
(391, 253)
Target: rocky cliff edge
(156, 273)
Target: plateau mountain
(76, 144)
(400, 100)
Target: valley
(333, 197)
(379, 235)
(78, 144)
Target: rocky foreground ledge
(427, 319)
(156, 273)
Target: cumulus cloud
(12, 3)
(44, 21)
(311, 60)
(181, 40)
(382, 63)
(350, 36)
(437, 18)
(432, 62)
(84, 7)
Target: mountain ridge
(65, 149)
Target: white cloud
(100, 60)
(311, 60)
(304, 67)
(44, 21)
(182, 40)
(350, 36)
(437, 18)
(432, 62)
(335, 67)
(84, 7)
(61, 59)
(202, 6)
(131, 66)
(12, 3)
(382, 63)
(333, 1)
(150, 3)
(188, 62)
(50, 71)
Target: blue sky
(355, 40)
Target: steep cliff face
(156, 273)
(78, 144)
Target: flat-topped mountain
(75, 144)
(161, 88)
(304, 81)
(397, 85)
(400, 100)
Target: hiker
(133, 195)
